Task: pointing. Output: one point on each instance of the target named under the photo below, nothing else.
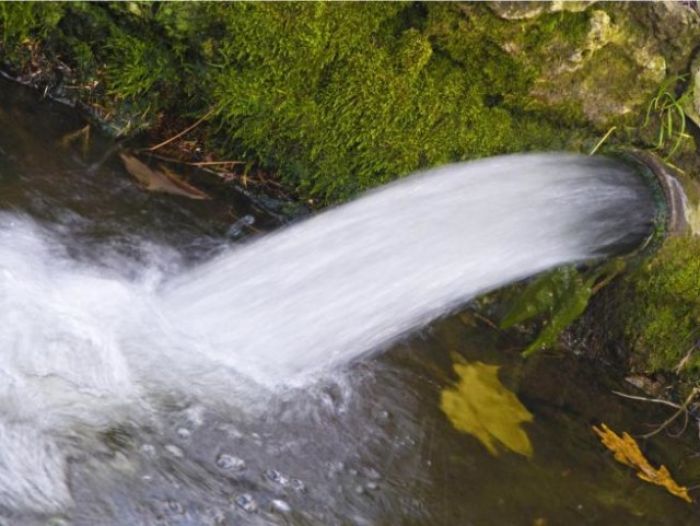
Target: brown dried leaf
(161, 180)
(626, 451)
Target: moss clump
(662, 313)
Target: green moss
(334, 97)
(662, 312)
(22, 21)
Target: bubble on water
(297, 485)
(174, 450)
(247, 503)
(273, 450)
(216, 517)
(195, 415)
(149, 450)
(175, 507)
(371, 473)
(183, 433)
(280, 506)
(276, 476)
(230, 462)
(230, 430)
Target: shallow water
(162, 436)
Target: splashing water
(84, 345)
(354, 278)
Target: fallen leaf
(83, 135)
(626, 451)
(161, 180)
(480, 405)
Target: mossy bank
(337, 98)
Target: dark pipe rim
(669, 194)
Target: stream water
(128, 323)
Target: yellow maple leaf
(480, 405)
(626, 451)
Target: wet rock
(691, 98)
(644, 383)
(238, 228)
(525, 10)
(640, 43)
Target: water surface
(157, 440)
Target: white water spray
(82, 346)
(354, 278)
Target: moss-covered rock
(662, 311)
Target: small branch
(686, 419)
(488, 322)
(684, 360)
(604, 282)
(681, 410)
(183, 132)
(644, 399)
(202, 163)
(600, 142)
(214, 163)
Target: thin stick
(605, 281)
(178, 161)
(684, 360)
(681, 410)
(686, 419)
(600, 142)
(183, 132)
(644, 399)
(214, 163)
(486, 321)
